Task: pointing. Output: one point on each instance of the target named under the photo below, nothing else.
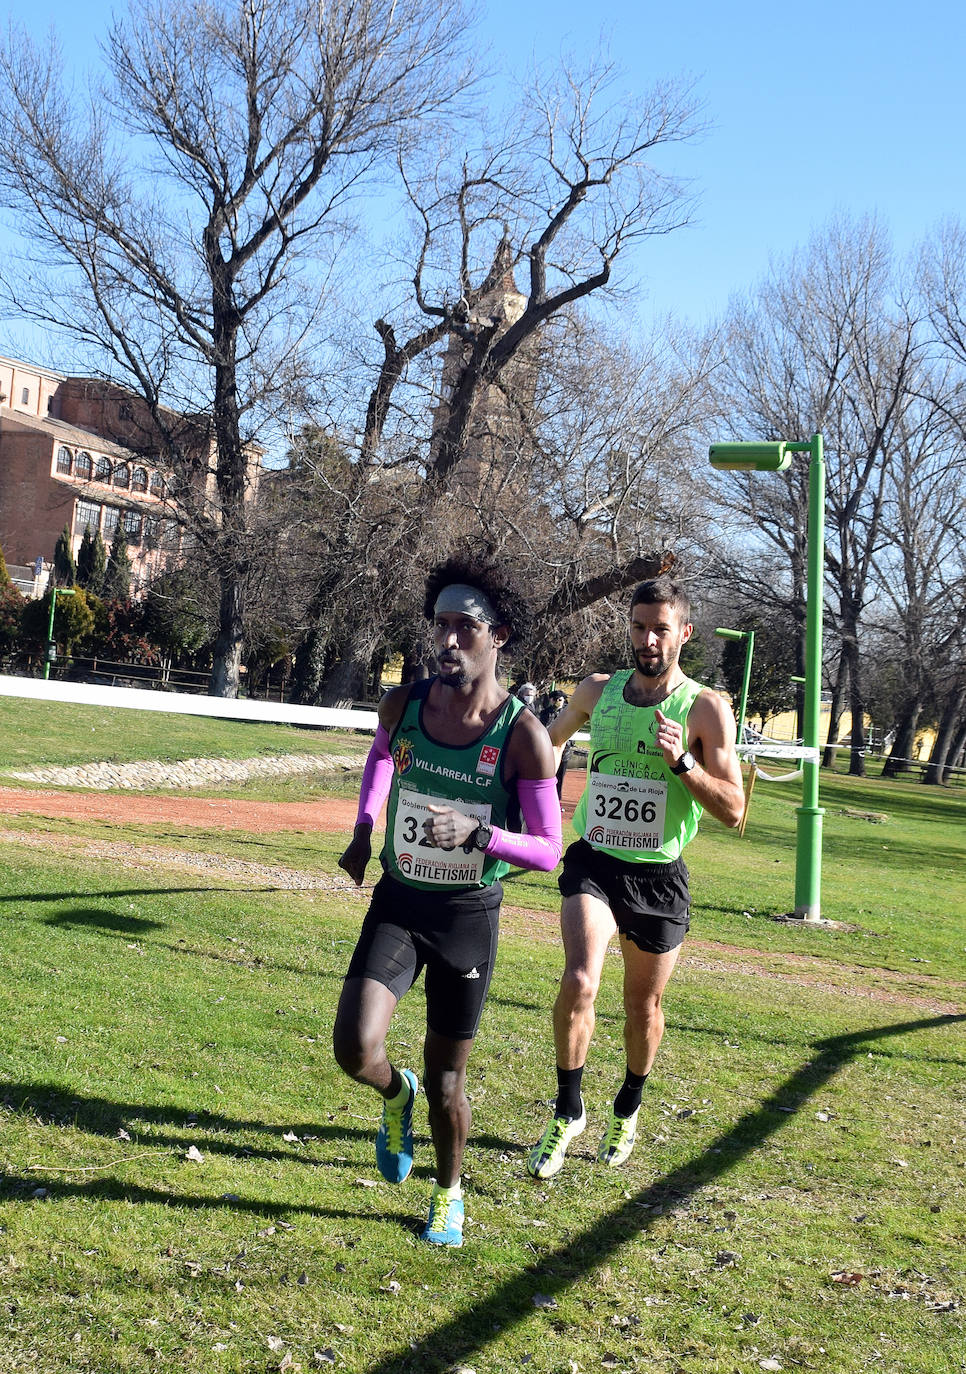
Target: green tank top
(469, 777)
(633, 806)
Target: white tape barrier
(183, 703)
(807, 753)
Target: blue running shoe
(394, 1139)
(445, 1224)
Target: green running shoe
(618, 1140)
(547, 1156)
(394, 1139)
(445, 1224)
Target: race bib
(626, 813)
(418, 858)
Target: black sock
(628, 1098)
(569, 1103)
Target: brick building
(82, 453)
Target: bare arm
(576, 713)
(715, 781)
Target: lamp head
(750, 456)
(732, 634)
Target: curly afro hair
(496, 581)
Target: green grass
(796, 1196)
(34, 733)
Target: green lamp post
(749, 637)
(55, 592)
(776, 457)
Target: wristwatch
(685, 763)
(481, 836)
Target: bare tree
(508, 238)
(826, 346)
(919, 609)
(187, 195)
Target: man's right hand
(357, 855)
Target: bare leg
(449, 1110)
(645, 978)
(587, 926)
(359, 1037)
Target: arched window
(83, 466)
(122, 475)
(65, 460)
(157, 484)
(139, 479)
(88, 517)
(102, 470)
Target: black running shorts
(650, 901)
(452, 935)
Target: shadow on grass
(118, 926)
(512, 1302)
(103, 920)
(172, 1127)
(113, 1190)
(18, 898)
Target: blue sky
(852, 107)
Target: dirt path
(210, 813)
(334, 815)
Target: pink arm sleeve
(540, 847)
(376, 778)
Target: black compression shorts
(650, 901)
(453, 935)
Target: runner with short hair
(662, 751)
(448, 754)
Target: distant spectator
(555, 704)
(528, 695)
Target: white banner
(184, 703)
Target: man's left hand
(669, 738)
(448, 828)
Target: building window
(65, 460)
(139, 479)
(122, 475)
(25, 396)
(88, 517)
(152, 530)
(124, 411)
(111, 517)
(132, 526)
(102, 470)
(83, 466)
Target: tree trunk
(311, 660)
(944, 737)
(835, 711)
(900, 755)
(954, 759)
(857, 703)
(345, 682)
(414, 668)
(227, 653)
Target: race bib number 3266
(626, 813)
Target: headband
(460, 599)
